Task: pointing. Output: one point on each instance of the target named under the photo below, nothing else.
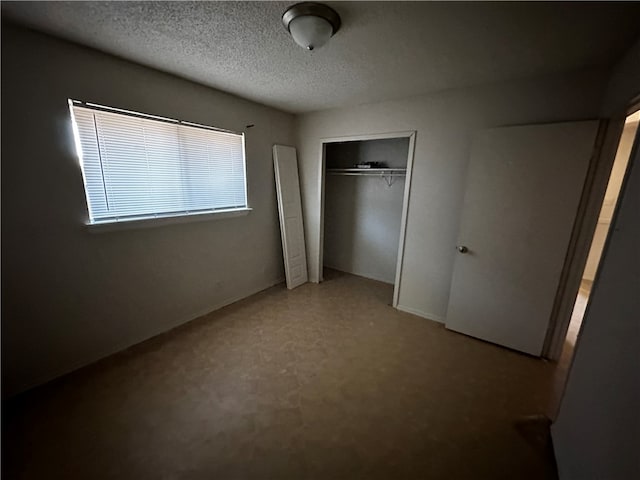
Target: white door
(523, 188)
(285, 165)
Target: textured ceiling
(384, 50)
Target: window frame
(157, 218)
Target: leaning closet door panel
(285, 165)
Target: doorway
(364, 193)
(607, 209)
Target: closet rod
(387, 174)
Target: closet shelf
(366, 171)
(388, 174)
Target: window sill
(162, 221)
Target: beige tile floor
(325, 381)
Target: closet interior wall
(362, 211)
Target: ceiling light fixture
(311, 24)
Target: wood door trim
(586, 221)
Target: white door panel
(523, 189)
(290, 209)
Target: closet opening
(365, 184)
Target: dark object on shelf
(369, 165)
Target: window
(138, 166)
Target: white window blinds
(138, 167)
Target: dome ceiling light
(311, 24)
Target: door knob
(462, 249)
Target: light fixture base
(312, 9)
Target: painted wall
(363, 214)
(70, 296)
(445, 123)
(615, 182)
(597, 431)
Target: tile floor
(323, 382)
(579, 309)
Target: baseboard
(222, 304)
(51, 376)
(420, 313)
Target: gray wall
(445, 123)
(70, 296)
(597, 432)
(363, 214)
